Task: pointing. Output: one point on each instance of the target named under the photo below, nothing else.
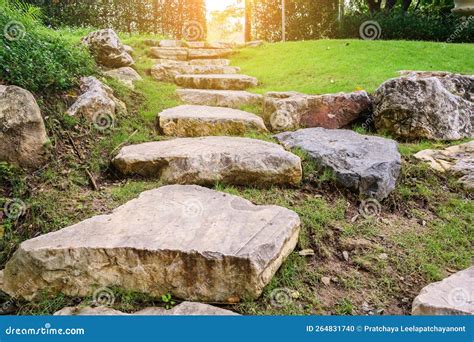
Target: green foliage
(419, 25)
(167, 17)
(34, 57)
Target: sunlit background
(225, 20)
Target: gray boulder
(367, 164)
(107, 49)
(22, 132)
(431, 105)
(125, 75)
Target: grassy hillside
(327, 66)
(423, 233)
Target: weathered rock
(255, 43)
(209, 53)
(367, 164)
(426, 105)
(173, 239)
(222, 62)
(199, 121)
(128, 49)
(107, 49)
(168, 72)
(205, 161)
(168, 43)
(218, 82)
(125, 75)
(290, 110)
(219, 98)
(458, 160)
(179, 54)
(183, 309)
(451, 296)
(22, 132)
(97, 103)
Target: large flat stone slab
(218, 82)
(239, 161)
(219, 61)
(168, 72)
(183, 309)
(173, 53)
(458, 160)
(195, 243)
(367, 164)
(209, 53)
(451, 296)
(199, 121)
(219, 98)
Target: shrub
(34, 57)
(419, 25)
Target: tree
(375, 6)
(248, 20)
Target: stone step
(183, 54)
(218, 61)
(217, 82)
(219, 98)
(183, 309)
(209, 53)
(208, 160)
(198, 121)
(215, 248)
(451, 296)
(367, 164)
(168, 72)
(173, 53)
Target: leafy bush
(34, 57)
(418, 25)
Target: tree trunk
(374, 6)
(248, 20)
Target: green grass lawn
(327, 66)
(424, 229)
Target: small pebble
(345, 254)
(383, 256)
(326, 281)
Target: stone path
(197, 243)
(198, 121)
(208, 160)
